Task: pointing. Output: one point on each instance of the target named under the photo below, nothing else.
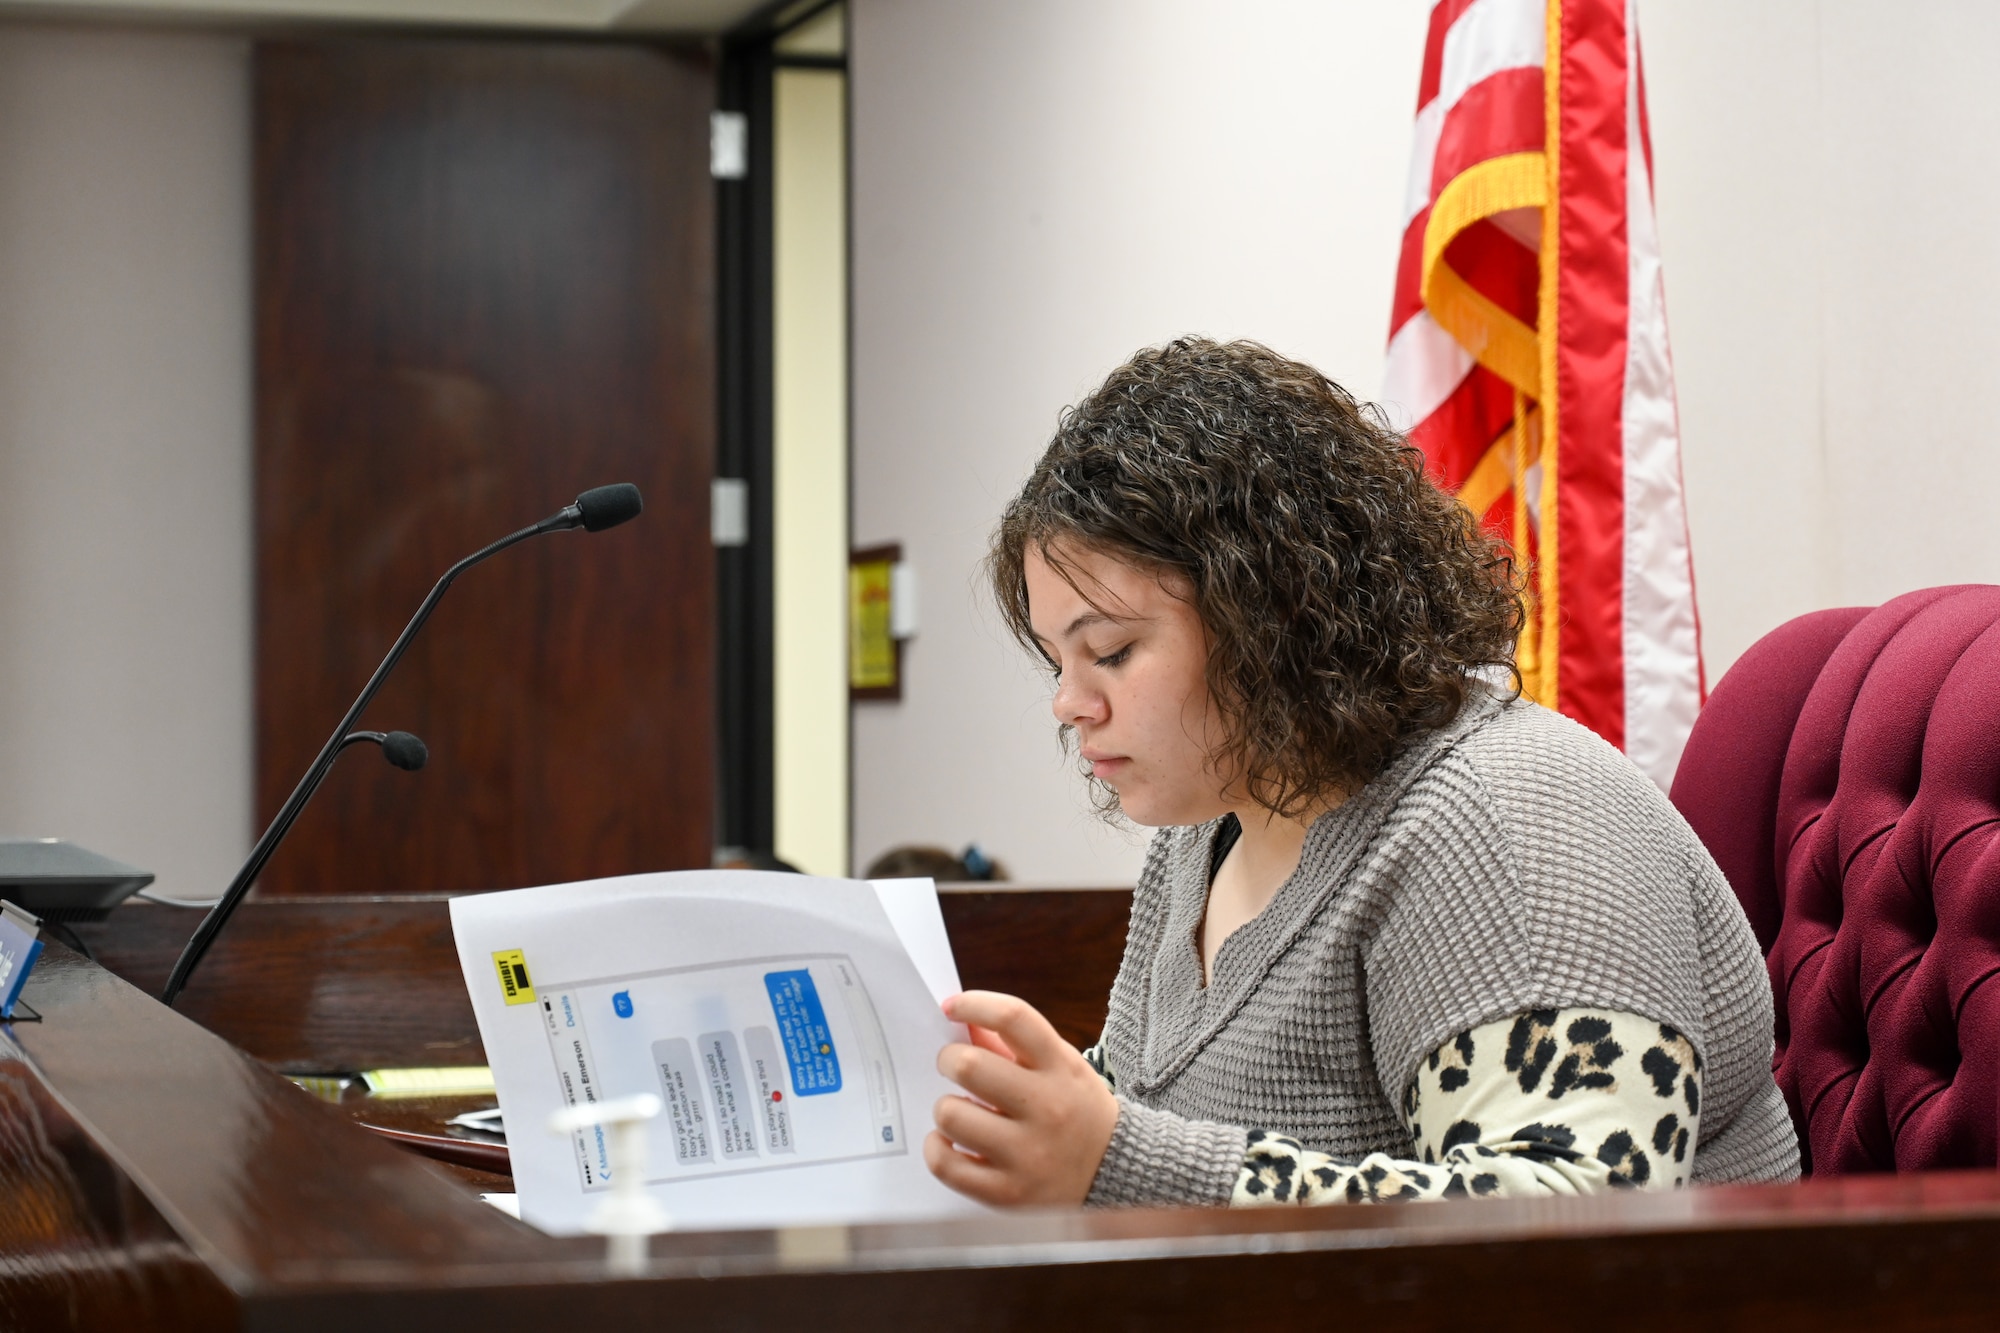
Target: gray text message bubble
(674, 1058)
(767, 1079)
(723, 1063)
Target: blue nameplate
(20, 946)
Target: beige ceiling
(679, 16)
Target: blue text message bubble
(802, 1028)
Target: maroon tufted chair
(1846, 776)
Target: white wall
(125, 719)
(1044, 186)
(1826, 192)
(1040, 188)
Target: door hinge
(728, 145)
(729, 511)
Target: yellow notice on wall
(871, 648)
(512, 965)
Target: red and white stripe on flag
(1528, 351)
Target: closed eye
(1117, 658)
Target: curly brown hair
(1347, 598)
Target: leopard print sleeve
(1553, 1101)
(1095, 1058)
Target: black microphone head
(608, 506)
(405, 751)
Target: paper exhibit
(788, 1024)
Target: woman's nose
(1075, 705)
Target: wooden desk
(157, 1177)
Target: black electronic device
(60, 881)
(595, 510)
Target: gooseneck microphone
(595, 510)
(400, 748)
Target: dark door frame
(746, 754)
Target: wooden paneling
(484, 283)
(1058, 949)
(310, 984)
(80, 1247)
(263, 1181)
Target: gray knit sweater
(1511, 861)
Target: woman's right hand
(1038, 1120)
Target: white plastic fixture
(627, 1215)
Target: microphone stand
(572, 516)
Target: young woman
(1400, 934)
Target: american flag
(1528, 351)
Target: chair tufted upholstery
(1846, 776)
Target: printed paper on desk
(788, 1024)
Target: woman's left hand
(1046, 1116)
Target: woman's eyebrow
(1086, 620)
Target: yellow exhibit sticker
(512, 965)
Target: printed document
(789, 1026)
